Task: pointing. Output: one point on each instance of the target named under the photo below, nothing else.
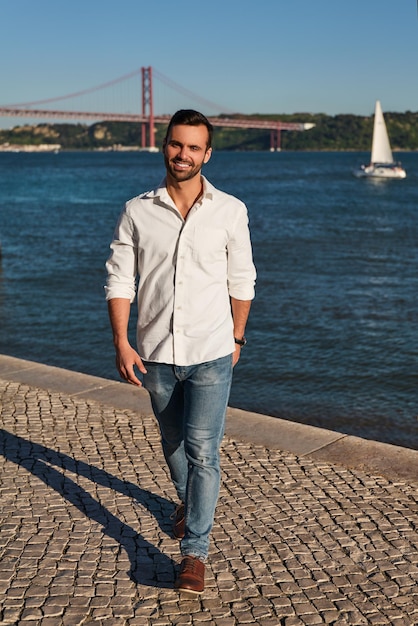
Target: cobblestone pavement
(85, 529)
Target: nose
(183, 153)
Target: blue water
(332, 336)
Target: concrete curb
(394, 462)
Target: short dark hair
(189, 117)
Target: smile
(181, 164)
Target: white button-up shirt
(188, 270)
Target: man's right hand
(126, 359)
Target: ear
(207, 155)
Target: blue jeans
(190, 404)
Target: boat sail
(382, 164)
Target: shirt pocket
(210, 244)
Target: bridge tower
(147, 109)
(275, 137)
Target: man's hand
(236, 355)
(126, 359)
(126, 356)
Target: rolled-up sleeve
(121, 265)
(241, 269)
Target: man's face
(185, 151)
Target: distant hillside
(340, 132)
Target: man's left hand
(236, 355)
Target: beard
(181, 175)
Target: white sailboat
(382, 164)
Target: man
(189, 244)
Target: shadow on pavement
(148, 565)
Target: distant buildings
(42, 147)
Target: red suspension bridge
(147, 117)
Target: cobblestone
(85, 528)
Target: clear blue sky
(265, 56)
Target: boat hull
(380, 171)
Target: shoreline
(48, 148)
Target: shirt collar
(161, 193)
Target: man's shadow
(148, 565)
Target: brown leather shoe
(192, 576)
(179, 523)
